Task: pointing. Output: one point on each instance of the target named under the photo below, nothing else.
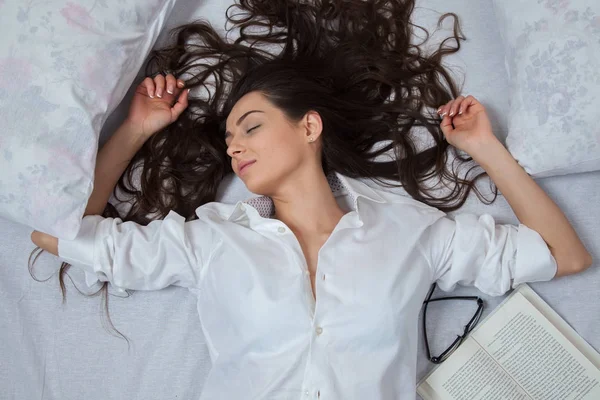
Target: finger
(470, 103)
(180, 105)
(464, 106)
(159, 81)
(446, 126)
(179, 86)
(446, 108)
(170, 83)
(455, 105)
(442, 110)
(149, 84)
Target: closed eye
(251, 129)
(227, 135)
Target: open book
(522, 350)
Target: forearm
(111, 161)
(113, 158)
(533, 207)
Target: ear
(313, 125)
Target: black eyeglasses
(460, 338)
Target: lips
(244, 165)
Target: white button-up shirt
(267, 337)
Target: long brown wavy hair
(353, 61)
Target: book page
(470, 374)
(548, 356)
(536, 354)
(559, 323)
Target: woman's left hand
(465, 124)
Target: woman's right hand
(157, 102)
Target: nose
(235, 148)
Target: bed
(51, 350)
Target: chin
(255, 187)
(257, 183)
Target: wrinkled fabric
(268, 338)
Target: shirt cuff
(80, 251)
(534, 262)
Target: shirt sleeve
(140, 257)
(472, 250)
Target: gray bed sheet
(50, 350)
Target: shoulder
(216, 211)
(404, 203)
(386, 198)
(399, 212)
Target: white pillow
(553, 62)
(64, 66)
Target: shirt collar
(339, 184)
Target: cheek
(284, 153)
(278, 158)
(278, 143)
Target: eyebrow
(239, 121)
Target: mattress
(55, 350)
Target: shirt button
(281, 229)
(319, 330)
(307, 393)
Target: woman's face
(259, 134)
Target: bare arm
(112, 160)
(534, 208)
(157, 103)
(466, 126)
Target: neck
(307, 204)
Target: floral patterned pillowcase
(64, 66)
(553, 63)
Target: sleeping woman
(312, 287)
